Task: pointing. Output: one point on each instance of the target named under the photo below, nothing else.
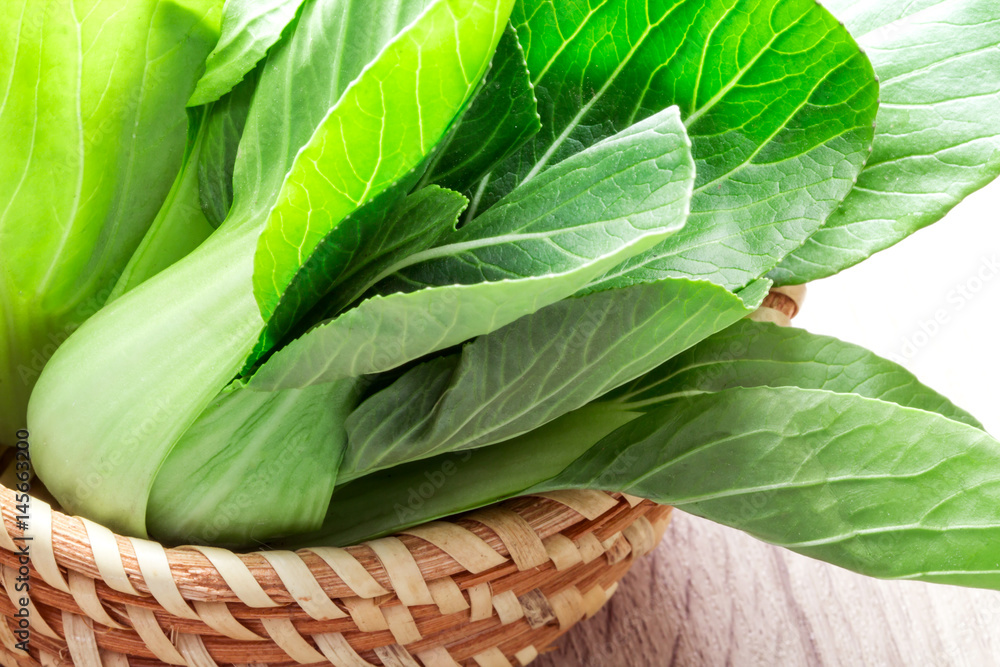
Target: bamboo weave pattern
(491, 589)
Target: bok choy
(518, 241)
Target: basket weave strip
(493, 587)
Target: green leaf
(386, 124)
(415, 224)
(407, 495)
(938, 133)
(249, 29)
(777, 98)
(331, 43)
(502, 117)
(92, 133)
(752, 354)
(536, 369)
(329, 90)
(878, 488)
(255, 466)
(223, 131)
(180, 226)
(202, 193)
(388, 227)
(544, 242)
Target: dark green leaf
(503, 116)
(225, 122)
(389, 227)
(415, 224)
(777, 98)
(538, 368)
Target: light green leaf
(878, 488)
(249, 29)
(502, 117)
(541, 244)
(536, 369)
(938, 132)
(125, 387)
(180, 226)
(777, 98)
(92, 133)
(752, 354)
(386, 124)
(255, 466)
(332, 42)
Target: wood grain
(709, 595)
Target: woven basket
(491, 588)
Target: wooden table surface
(710, 595)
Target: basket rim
(81, 546)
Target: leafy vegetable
(180, 226)
(331, 43)
(385, 124)
(862, 483)
(938, 137)
(413, 493)
(384, 233)
(501, 119)
(92, 132)
(194, 325)
(796, 467)
(270, 456)
(202, 192)
(223, 130)
(749, 354)
(746, 355)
